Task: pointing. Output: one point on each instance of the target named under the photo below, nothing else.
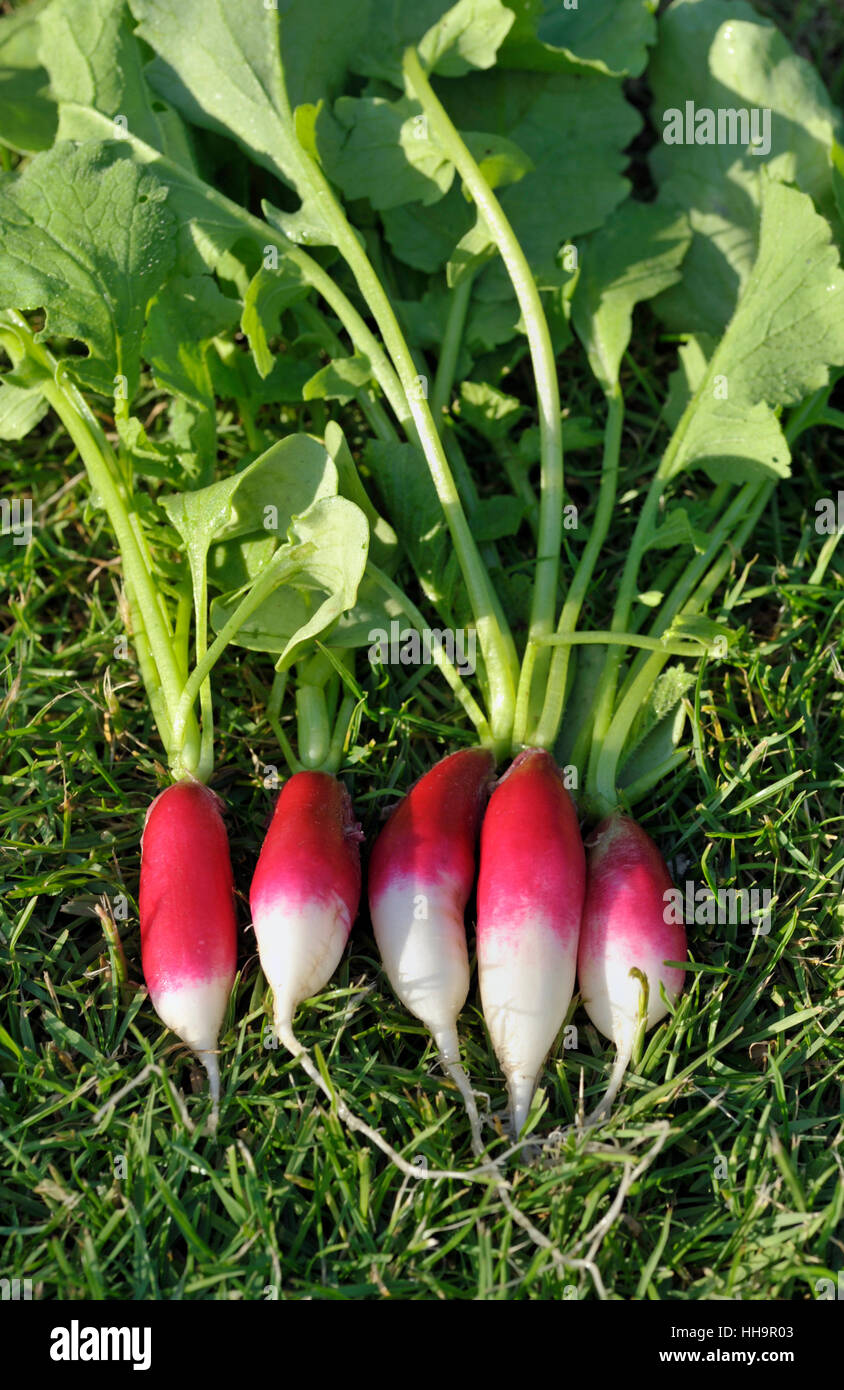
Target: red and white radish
(188, 924)
(628, 932)
(530, 898)
(420, 876)
(305, 892)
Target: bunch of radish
(544, 913)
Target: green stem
(545, 733)
(695, 571)
(602, 789)
(519, 482)
(624, 639)
(605, 696)
(441, 661)
(450, 347)
(544, 604)
(338, 738)
(496, 642)
(281, 564)
(183, 746)
(313, 729)
(181, 636)
(147, 667)
(280, 679)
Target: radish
(188, 925)
(627, 935)
(420, 876)
(530, 897)
(305, 892)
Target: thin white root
(212, 1066)
(602, 1110)
(488, 1172)
(458, 1075)
(448, 1047)
(150, 1069)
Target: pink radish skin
(305, 891)
(188, 924)
(420, 876)
(625, 928)
(530, 899)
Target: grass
(720, 1174)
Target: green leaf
(20, 410)
(425, 236)
(573, 127)
(471, 252)
(653, 735)
(28, 117)
(490, 323)
(721, 56)
(612, 36)
(381, 150)
(449, 41)
(734, 442)
(235, 377)
(339, 380)
(285, 481)
(261, 502)
(87, 236)
(489, 411)
(240, 68)
(705, 630)
(787, 330)
(372, 610)
(383, 542)
(413, 507)
(500, 160)
(183, 318)
(97, 79)
(269, 293)
(324, 563)
(219, 64)
(468, 36)
(635, 254)
(496, 517)
(677, 531)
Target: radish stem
(544, 602)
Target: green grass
(721, 1173)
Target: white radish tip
(624, 1050)
(283, 1026)
(521, 1089)
(212, 1067)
